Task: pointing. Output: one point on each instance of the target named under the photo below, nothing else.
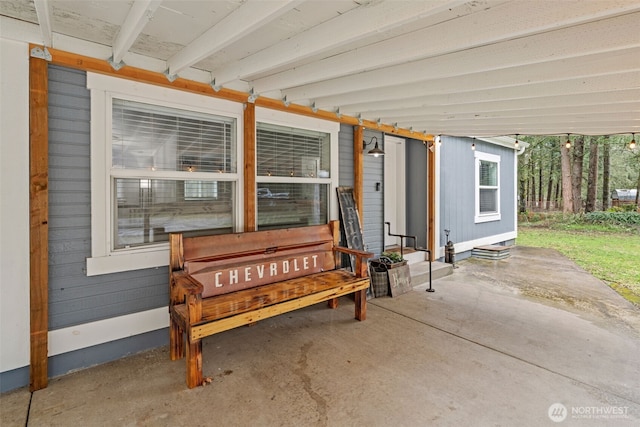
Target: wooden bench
(220, 282)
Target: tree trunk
(567, 191)
(557, 195)
(540, 195)
(523, 196)
(576, 174)
(592, 182)
(606, 164)
(550, 185)
(532, 185)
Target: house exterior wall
(457, 196)
(92, 318)
(74, 297)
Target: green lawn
(613, 257)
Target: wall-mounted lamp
(632, 144)
(473, 146)
(568, 143)
(516, 144)
(375, 151)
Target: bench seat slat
(200, 331)
(263, 296)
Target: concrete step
(420, 271)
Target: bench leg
(176, 341)
(333, 303)
(361, 304)
(194, 364)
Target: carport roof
(482, 67)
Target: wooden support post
(38, 221)
(431, 201)
(250, 220)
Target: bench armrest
(360, 269)
(356, 252)
(186, 284)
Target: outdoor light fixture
(568, 143)
(632, 144)
(516, 143)
(473, 146)
(439, 140)
(375, 151)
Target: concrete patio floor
(500, 343)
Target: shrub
(621, 218)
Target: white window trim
(493, 216)
(264, 115)
(103, 88)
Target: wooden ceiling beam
(339, 31)
(139, 15)
(601, 36)
(415, 94)
(44, 12)
(476, 28)
(242, 21)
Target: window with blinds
(487, 187)
(172, 170)
(293, 176)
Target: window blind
(152, 137)
(283, 151)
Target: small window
(487, 177)
(293, 176)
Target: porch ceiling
(453, 67)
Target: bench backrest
(228, 262)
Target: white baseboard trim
(94, 333)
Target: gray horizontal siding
(457, 190)
(345, 154)
(373, 202)
(75, 298)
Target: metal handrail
(415, 247)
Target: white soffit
(452, 67)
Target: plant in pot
(392, 259)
